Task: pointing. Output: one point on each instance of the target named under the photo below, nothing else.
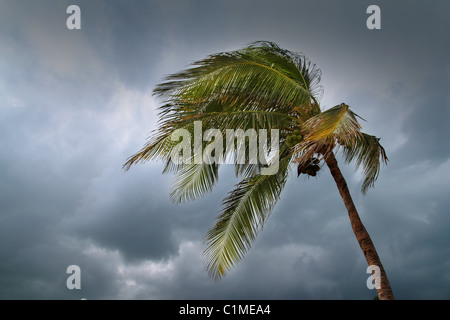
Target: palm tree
(262, 87)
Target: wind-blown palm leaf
(263, 72)
(245, 119)
(324, 130)
(245, 210)
(339, 126)
(367, 151)
(193, 180)
(160, 144)
(337, 121)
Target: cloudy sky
(74, 104)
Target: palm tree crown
(258, 87)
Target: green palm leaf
(337, 121)
(367, 151)
(193, 180)
(263, 73)
(339, 127)
(245, 210)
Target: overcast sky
(75, 104)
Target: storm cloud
(75, 104)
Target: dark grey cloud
(75, 104)
(132, 220)
(427, 122)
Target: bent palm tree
(259, 87)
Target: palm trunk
(362, 236)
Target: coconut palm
(258, 87)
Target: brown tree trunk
(368, 248)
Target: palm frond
(193, 181)
(245, 210)
(338, 127)
(367, 151)
(263, 72)
(159, 145)
(258, 86)
(337, 121)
